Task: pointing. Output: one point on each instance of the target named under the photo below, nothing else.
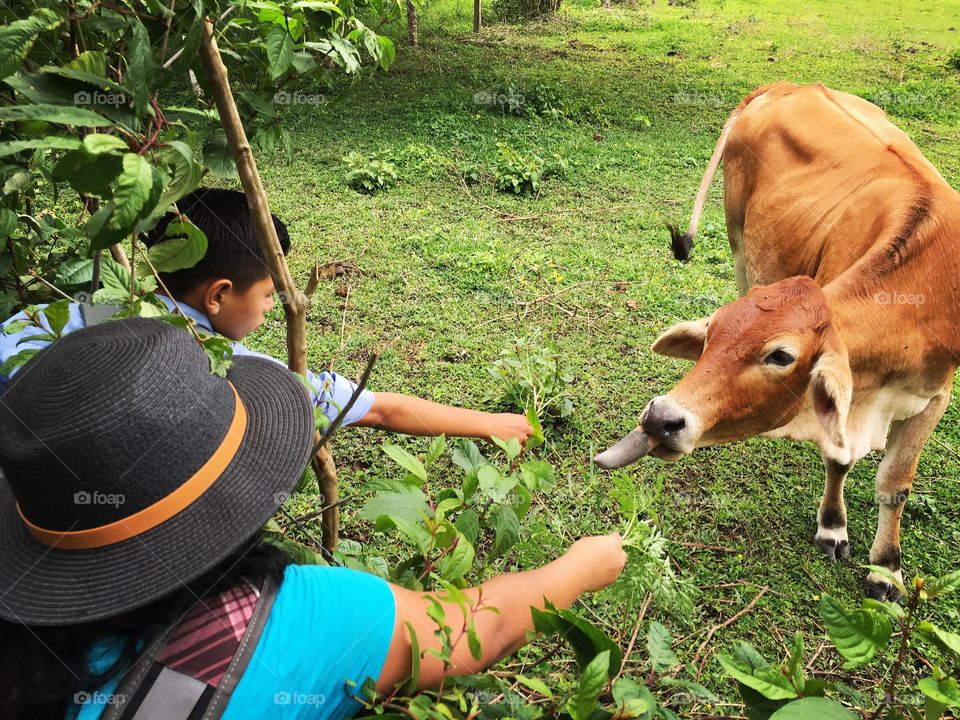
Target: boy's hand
(597, 560)
(510, 425)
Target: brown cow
(846, 243)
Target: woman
(133, 581)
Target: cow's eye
(779, 357)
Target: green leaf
(8, 222)
(749, 668)
(468, 456)
(414, 681)
(59, 114)
(411, 506)
(941, 638)
(584, 637)
(457, 563)
(945, 691)
(46, 143)
(387, 51)
(279, 51)
(469, 524)
(140, 66)
(507, 531)
(96, 143)
(945, 585)
(57, 315)
(114, 276)
(319, 5)
(536, 439)
(407, 461)
(495, 485)
(15, 361)
(88, 174)
(435, 449)
(660, 647)
(813, 707)
(537, 475)
(185, 248)
(592, 681)
(535, 684)
(18, 37)
(217, 157)
(473, 641)
(857, 634)
(511, 448)
(345, 55)
(91, 61)
(631, 698)
(184, 173)
(137, 189)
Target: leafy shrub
(521, 173)
(531, 375)
(516, 172)
(859, 635)
(368, 174)
(953, 60)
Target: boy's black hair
(233, 250)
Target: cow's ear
(684, 340)
(831, 387)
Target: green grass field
(449, 274)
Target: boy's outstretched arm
(416, 416)
(590, 564)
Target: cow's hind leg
(894, 481)
(831, 534)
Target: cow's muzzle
(666, 431)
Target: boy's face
(234, 313)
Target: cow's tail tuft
(680, 242)
(683, 243)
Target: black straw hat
(128, 469)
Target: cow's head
(758, 358)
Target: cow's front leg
(894, 481)
(831, 534)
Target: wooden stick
(725, 623)
(294, 303)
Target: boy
(229, 292)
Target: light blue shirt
(328, 627)
(331, 392)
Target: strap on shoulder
(151, 691)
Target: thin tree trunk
(294, 305)
(476, 16)
(117, 253)
(411, 24)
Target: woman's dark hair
(233, 250)
(43, 668)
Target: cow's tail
(682, 243)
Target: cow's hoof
(835, 548)
(879, 589)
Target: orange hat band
(162, 510)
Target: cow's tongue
(628, 450)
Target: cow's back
(813, 178)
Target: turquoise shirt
(328, 627)
(331, 392)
